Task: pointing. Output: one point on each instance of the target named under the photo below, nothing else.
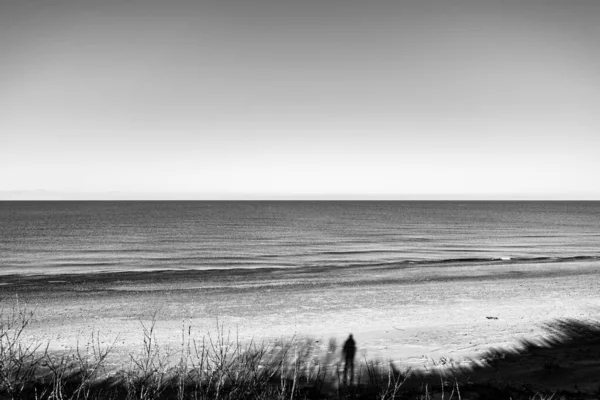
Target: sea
(68, 237)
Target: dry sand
(413, 316)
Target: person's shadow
(349, 352)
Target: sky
(261, 99)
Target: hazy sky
(302, 98)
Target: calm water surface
(58, 237)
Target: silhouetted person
(349, 351)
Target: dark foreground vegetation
(217, 366)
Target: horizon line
(46, 195)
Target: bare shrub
(20, 359)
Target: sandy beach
(412, 316)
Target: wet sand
(411, 315)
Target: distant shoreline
(174, 272)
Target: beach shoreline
(411, 316)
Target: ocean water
(105, 236)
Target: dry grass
(214, 366)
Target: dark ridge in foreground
(568, 360)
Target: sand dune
(412, 316)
